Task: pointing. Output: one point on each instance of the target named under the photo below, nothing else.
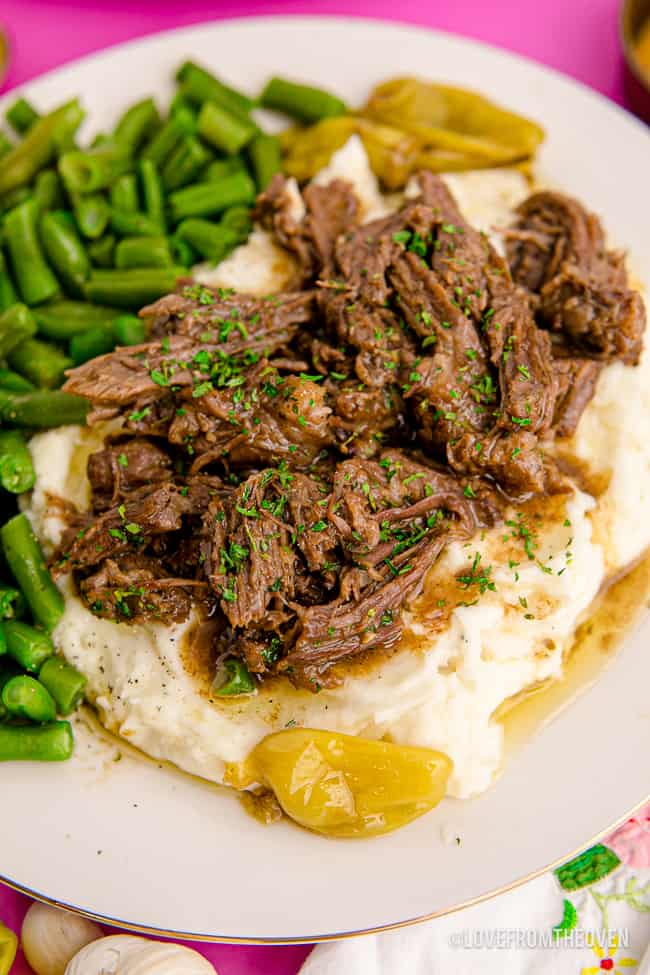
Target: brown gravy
(615, 613)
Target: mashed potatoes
(443, 688)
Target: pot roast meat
(295, 465)
(557, 251)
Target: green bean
(185, 163)
(96, 169)
(21, 164)
(265, 157)
(14, 383)
(128, 330)
(205, 199)
(14, 198)
(101, 251)
(27, 563)
(16, 467)
(42, 408)
(8, 295)
(199, 85)
(133, 224)
(64, 249)
(48, 191)
(221, 168)
(136, 124)
(65, 684)
(40, 362)
(182, 252)
(237, 680)
(143, 252)
(21, 116)
(100, 139)
(92, 213)
(12, 603)
(225, 131)
(36, 743)
(35, 279)
(5, 145)
(132, 288)
(180, 104)
(302, 102)
(238, 219)
(16, 324)
(28, 646)
(60, 320)
(124, 194)
(152, 191)
(25, 697)
(166, 140)
(98, 340)
(212, 241)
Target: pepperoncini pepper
(341, 785)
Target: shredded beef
(295, 465)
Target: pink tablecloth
(579, 38)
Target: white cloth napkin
(513, 934)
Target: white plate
(150, 848)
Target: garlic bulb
(124, 954)
(51, 937)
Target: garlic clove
(124, 954)
(51, 937)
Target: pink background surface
(578, 38)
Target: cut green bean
(266, 161)
(35, 279)
(185, 163)
(128, 224)
(36, 743)
(21, 116)
(40, 362)
(102, 251)
(92, 213)
(25, 697)
(124, 194)
(132, 288)
(16, 467)
(12, 604)
(152, 192)
(42, 408)
(5, 145)
(223, 130)
(182, 252)
(212, 241)
(128, 330)
(221, 168)
(237, 680)
(12, 382)
(238, 219)
(65, 684)
(180, 104)
(167, 139)
(98, 340)
(28, 646)
(143, 252)
(27, 564)
(206, 199)
(199, 85)
(48, 191)
(64, 249)
(60, 320)
(136, 125)
(96, 169)
(35, 151)
(8, 296)
(16, 324)
(301, 102)
(14, 198)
